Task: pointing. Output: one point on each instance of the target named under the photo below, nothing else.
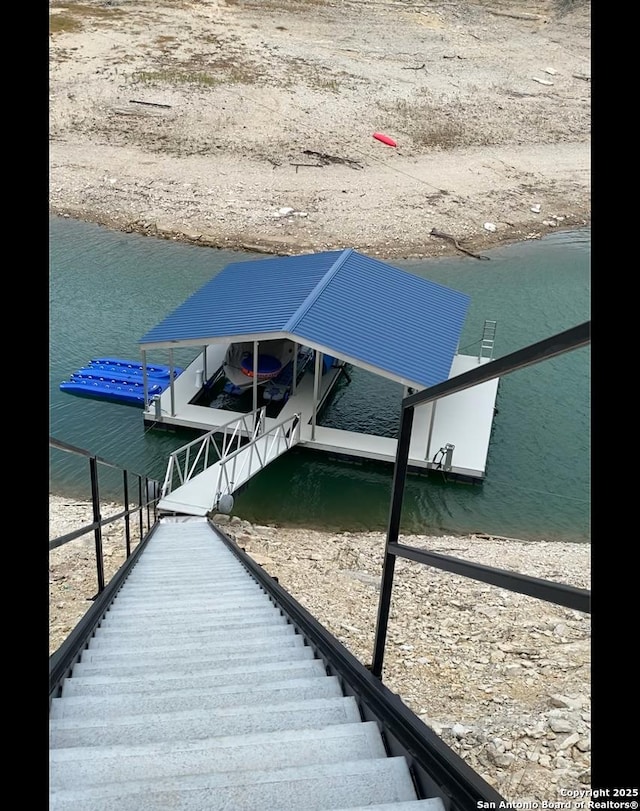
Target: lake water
(108, 288)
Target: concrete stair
(197, 694)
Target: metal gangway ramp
(203, 474)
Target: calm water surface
(108, 288)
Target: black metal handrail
(436, 769)
(148, 494)
(146, 507)
(568, 596)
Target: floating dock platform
(450, 436)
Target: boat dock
(462, 420)
(336, 310)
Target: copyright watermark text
(587, 799)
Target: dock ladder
(488, 341)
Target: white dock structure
(451, 435)
(216, 465)
(400, 327)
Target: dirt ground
(248, 124)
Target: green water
(108, 288)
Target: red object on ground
(384, 138)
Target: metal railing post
(95, 500)
(147, 500)
(140, 509)
(399, 478)
(127, 521)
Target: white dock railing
(239, 466)
(235, 460)
(196, 456)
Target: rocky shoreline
(504, 679)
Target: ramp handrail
(233, 432)
(198, 455)
(278, 439)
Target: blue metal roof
(343, 303)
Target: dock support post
(316, 384)
(255, 384)
(204, 364)
(430, 434)
(296, 347)
(173, 391)
(145, 379)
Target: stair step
(173, 589)
(191, 626)
(236, 599)
(169, 536)
(180, 584)
(150, 613)
(194, 724)
(175, 665)
(212, 698)
(217, 637)
(104, 764)
(155, 565)
(197, 576)
(158, 683)
(185, 559)
(197, 570)
(165, 653)
(213, 550)
(179, 619)
(304, 788)
(165, 553)
(188, 636)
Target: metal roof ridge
(317, 290)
